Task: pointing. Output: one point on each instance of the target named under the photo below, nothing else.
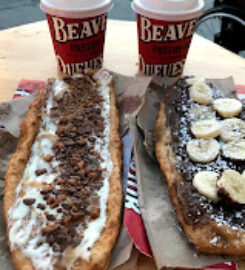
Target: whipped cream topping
(27, 221)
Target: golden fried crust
(18, 161)
(101, 251)
(230, 241)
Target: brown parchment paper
(13, 112)
(129, 91)
(130, 94)
(169, 244)
(11, 115)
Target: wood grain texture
(24, 48)
(27, 52)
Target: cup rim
(168, 16)
(76, 13)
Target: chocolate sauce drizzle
(196, 208)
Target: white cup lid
(76, 8)
(170, 10)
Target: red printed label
(163, 45)
(78, 43)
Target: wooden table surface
(26, 52)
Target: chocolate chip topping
(48, 158)
(29, 201)
(41, 206)
(197, 209)
(79, 121)
(40, 172)
(50, 217)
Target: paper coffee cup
(165, 30)
(77, 29)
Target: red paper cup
(78, 33)
(163, 45)
(78, 44)
(164, 38)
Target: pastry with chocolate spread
(200, 146)
(63, 190)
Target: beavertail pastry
(200, 146)
(63, 192)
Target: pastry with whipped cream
(63, 192)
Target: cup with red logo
(77, 28)
(165, 30)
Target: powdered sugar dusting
(182, 111)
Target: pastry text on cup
(64, 32)
(162, 70)
(72, 68)
(150, 32)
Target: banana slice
(201, 93)
(227, 107)
(232, 129)
(206, 129)
(205, 182)
(203, 151)
(202, 112)
(232, 185)
(195, 80)
(234, 150)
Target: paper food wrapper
(129, 91)
(169, 244)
